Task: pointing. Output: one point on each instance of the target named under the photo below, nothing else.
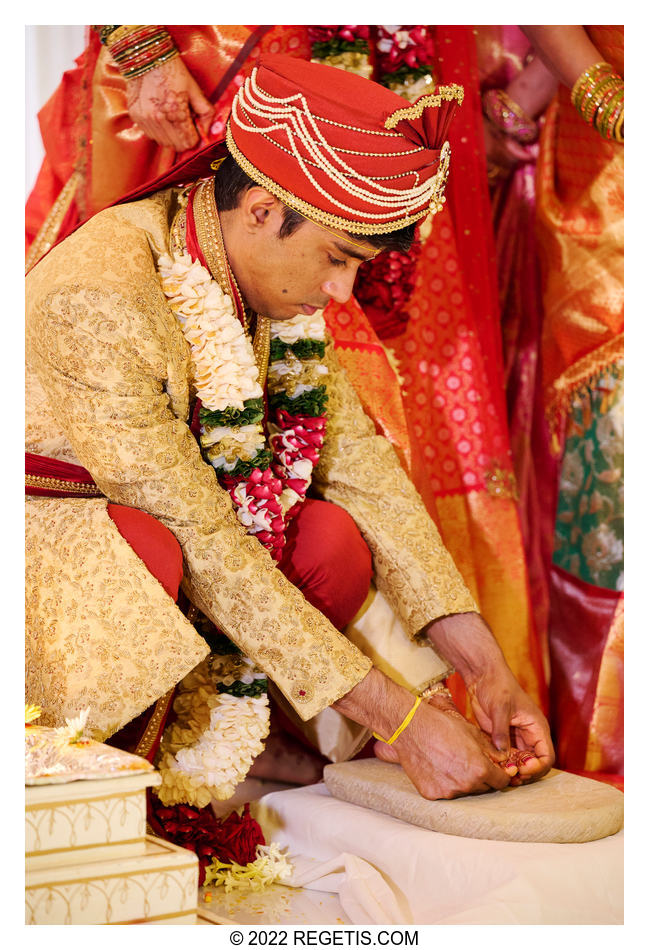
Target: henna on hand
(161, 100)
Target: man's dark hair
(231, 181)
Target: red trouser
(325, 556)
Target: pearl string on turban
(340, 149)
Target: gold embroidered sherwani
(108, 388)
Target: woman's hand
(504, 154)
(165, 102)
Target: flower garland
(404, 60)
(265, 480)
(222, 706)
(383, 288)
(346, 47)
(403, 55)
(270, 865)
(222, 718)
(234, 839)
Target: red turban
(340, 149)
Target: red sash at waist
(55, 479)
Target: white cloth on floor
(439, 878)
(364, 894)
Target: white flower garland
(271, 864)
(210, 747)
(225, 373)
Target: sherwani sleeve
(109, 355)
(360, 471)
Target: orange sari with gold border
(580, 200)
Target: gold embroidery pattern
(208, 232)
(61, 484)
(100, 630)
(501, 483)
(145, 744)
(50, 228)
(443, 94)
(114, 366)
(563, 390)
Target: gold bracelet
(606, 121)
(588, 78)
(595, 96)
(508, 117)
(435, 689)
(406, 722)
(618, 131)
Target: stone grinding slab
(560, 808)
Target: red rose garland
(403, 58)
(232, 839)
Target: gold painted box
(88, 857)
(157, 886)
(86, 820)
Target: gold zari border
(208, 233)
(560, 393)
(310, 211)
(433, 100)
(148, 737)
(60, 484)
(49, 230)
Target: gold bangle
(588, 78)
(585, 84)
(618, 131)
(596, 95)
(606, 100)
(435, 689)
(606, 122)
(406, 722)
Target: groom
(323, 171)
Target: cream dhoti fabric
(378, 633)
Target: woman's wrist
(507, 117)
(598, 97)
(138, 49)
